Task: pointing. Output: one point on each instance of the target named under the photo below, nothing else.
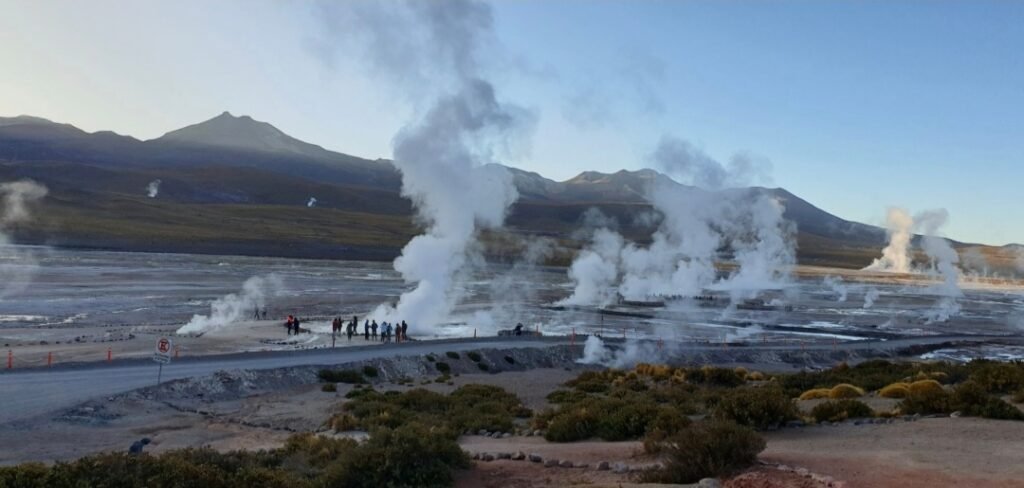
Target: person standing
(405, 331)
(295, 324)
(373, 330)
(366, 331)
(288, 324)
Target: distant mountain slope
(238, 161)
(244, 133)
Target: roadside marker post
(109, 354)
(49, 359)
(162, 356)
(10, 359)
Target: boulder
(709, 483)
(518, 456)
(620, 468)
(566, 464)
(955, 414)
(487, 457)
(481, 432)
(504, 455)
(551, 463)
(535, 458)
(603, 466)
(506, 435)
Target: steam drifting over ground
(235, 307)
(696, 222)
(17, 265)
(153, 188)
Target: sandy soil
(928, 453)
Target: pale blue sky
(859, 105)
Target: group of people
(292, 324)
(388, 331)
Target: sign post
(162, 355)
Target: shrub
(837, 410)
(845, 390)
(410, 455)
(1018, 397)
(329, 387)
(431, 358)
(474, 356)
(510, 360)
(997, 377)
(756, 376)
(566, 396)
(483, 366)
(755, 407)
(714, 376)
(926, 401)
(971, 399)
(452, 354)
(925, 386)
(370, 371)
(343, 422)
(443, 367)
(594, 381)
(815, 394)
(704, 450)
(341, 376)
(895, 390)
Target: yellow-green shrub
(815, 394)
(925, 386)
(845, 390)
(895, 390)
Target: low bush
(510, 360)
(926, 401)
(815, 394)
(349, 376)
(712, 376)
(756, 376)
(758, 408)
(925, 386)
(474, 356)
(838, 410)
(705, 450)
(997, 377)
(971, 399)
(1018, 397)
(431, 358)
(895, 390)
(483, 366)
(370, 371)
(845, 390)
(566, 396)
(470, 407)
(329, 387)
(443, 367)
(452, 354)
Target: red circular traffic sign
(163, 345)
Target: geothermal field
(81, 303)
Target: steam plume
(311, 203)
(942, 259)
(17, 265)
(896, 255)
(435, 48)
(153, 188)
(835, 283)
(235, 307)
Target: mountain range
(235, 185)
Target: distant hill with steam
(235, 185)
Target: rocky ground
(260, 409)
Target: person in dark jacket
(137, 446)
(373, 329)
(405, 330)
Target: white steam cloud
(695, 224)
(311, 203)
(896, 255)
(835, 283)
(235, 307)
(869, 297)
(632, 353)
(434, 51)
(153, 188)
(17, 265)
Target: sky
(858, 105)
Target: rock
(529, 433)
(487, 457)
(506, 435)
(916, 417)
(518, 456)
(709, 483)
(620, 468)
(535, 458)
(566, 464)
(603, 466)
(476, 456)
(795, 424)
(482, 432)
(504, 455)
(538, 433)
(551, 463)
(581, 465)
(803, 472)
(955, 414)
